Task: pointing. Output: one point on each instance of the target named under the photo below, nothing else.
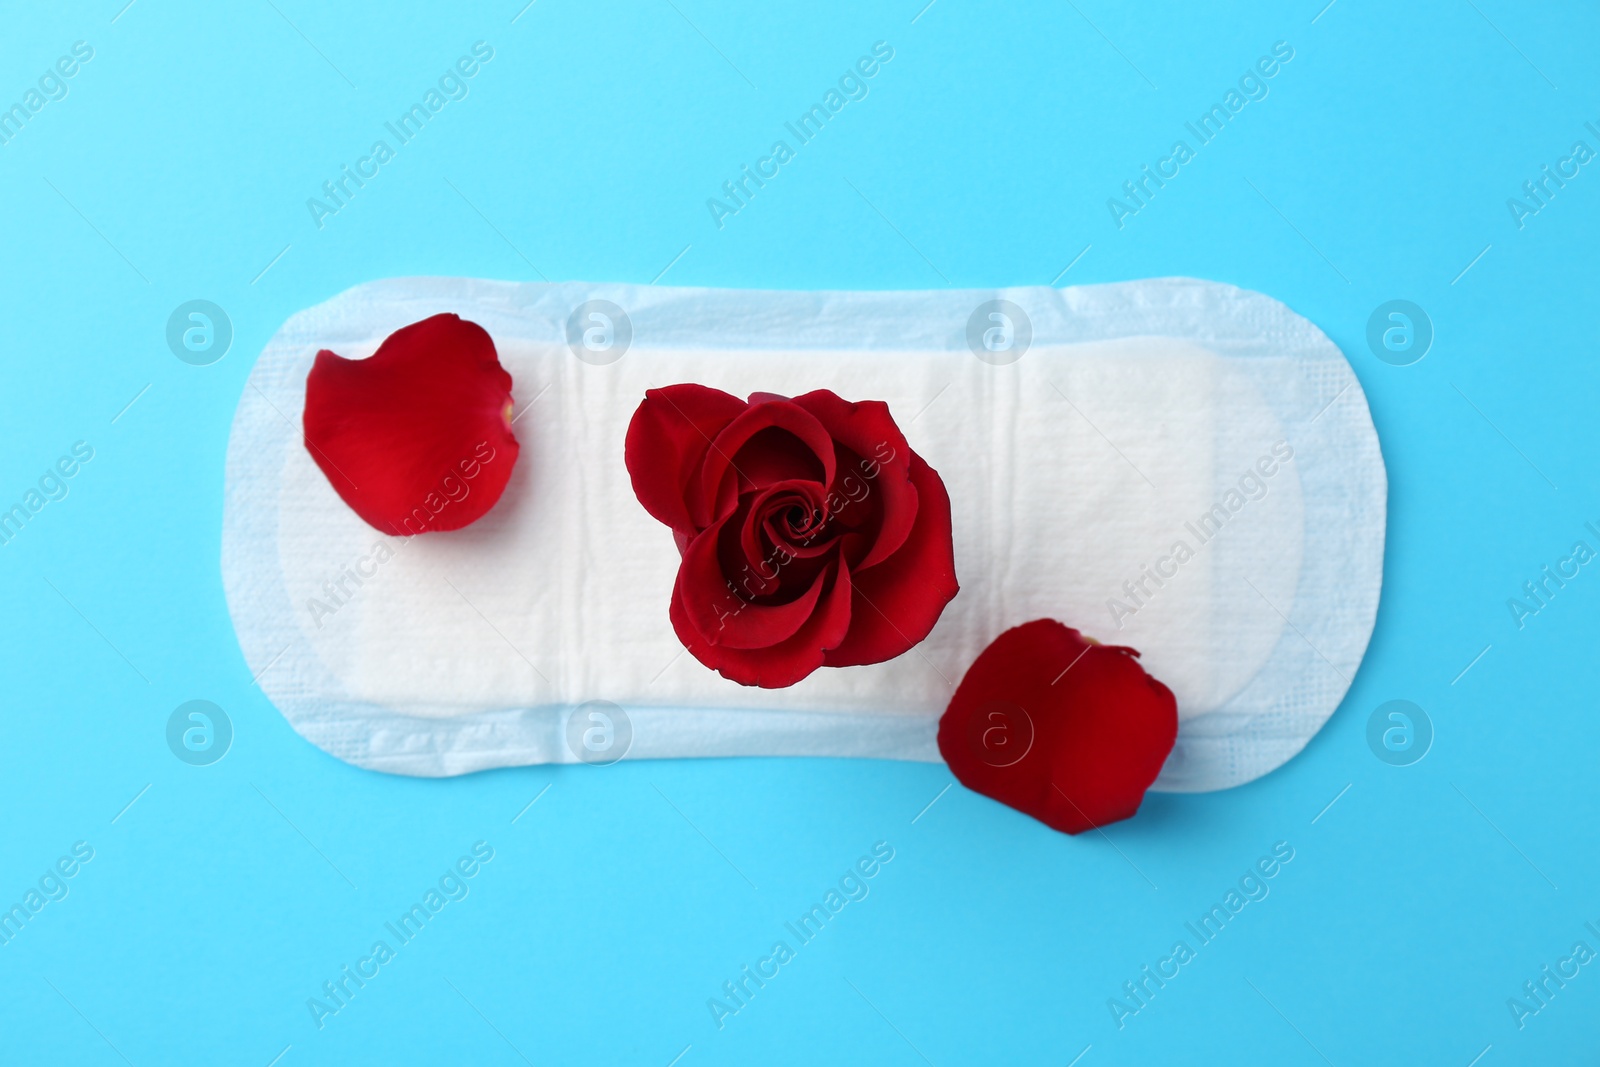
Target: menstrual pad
(1084, 435)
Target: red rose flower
(811, 534)
(416, 437)
(1059, 727)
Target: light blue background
(179, 166)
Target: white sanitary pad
(1083, 435)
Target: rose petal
(667, 441)
(759, 566)
(772, 538)
(778, 665)
(898, 601)
(417, 437)
(804, 432)
(1058, 727)
(771, 456)
(723, 618)
(867, 429)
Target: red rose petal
(898, 601)
(771, 417)
(727, 620)
(780, 665)
(1058, 727)
(417, 437)
(769, 543)
(667, 441)
(759, 466)
(867, 429)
